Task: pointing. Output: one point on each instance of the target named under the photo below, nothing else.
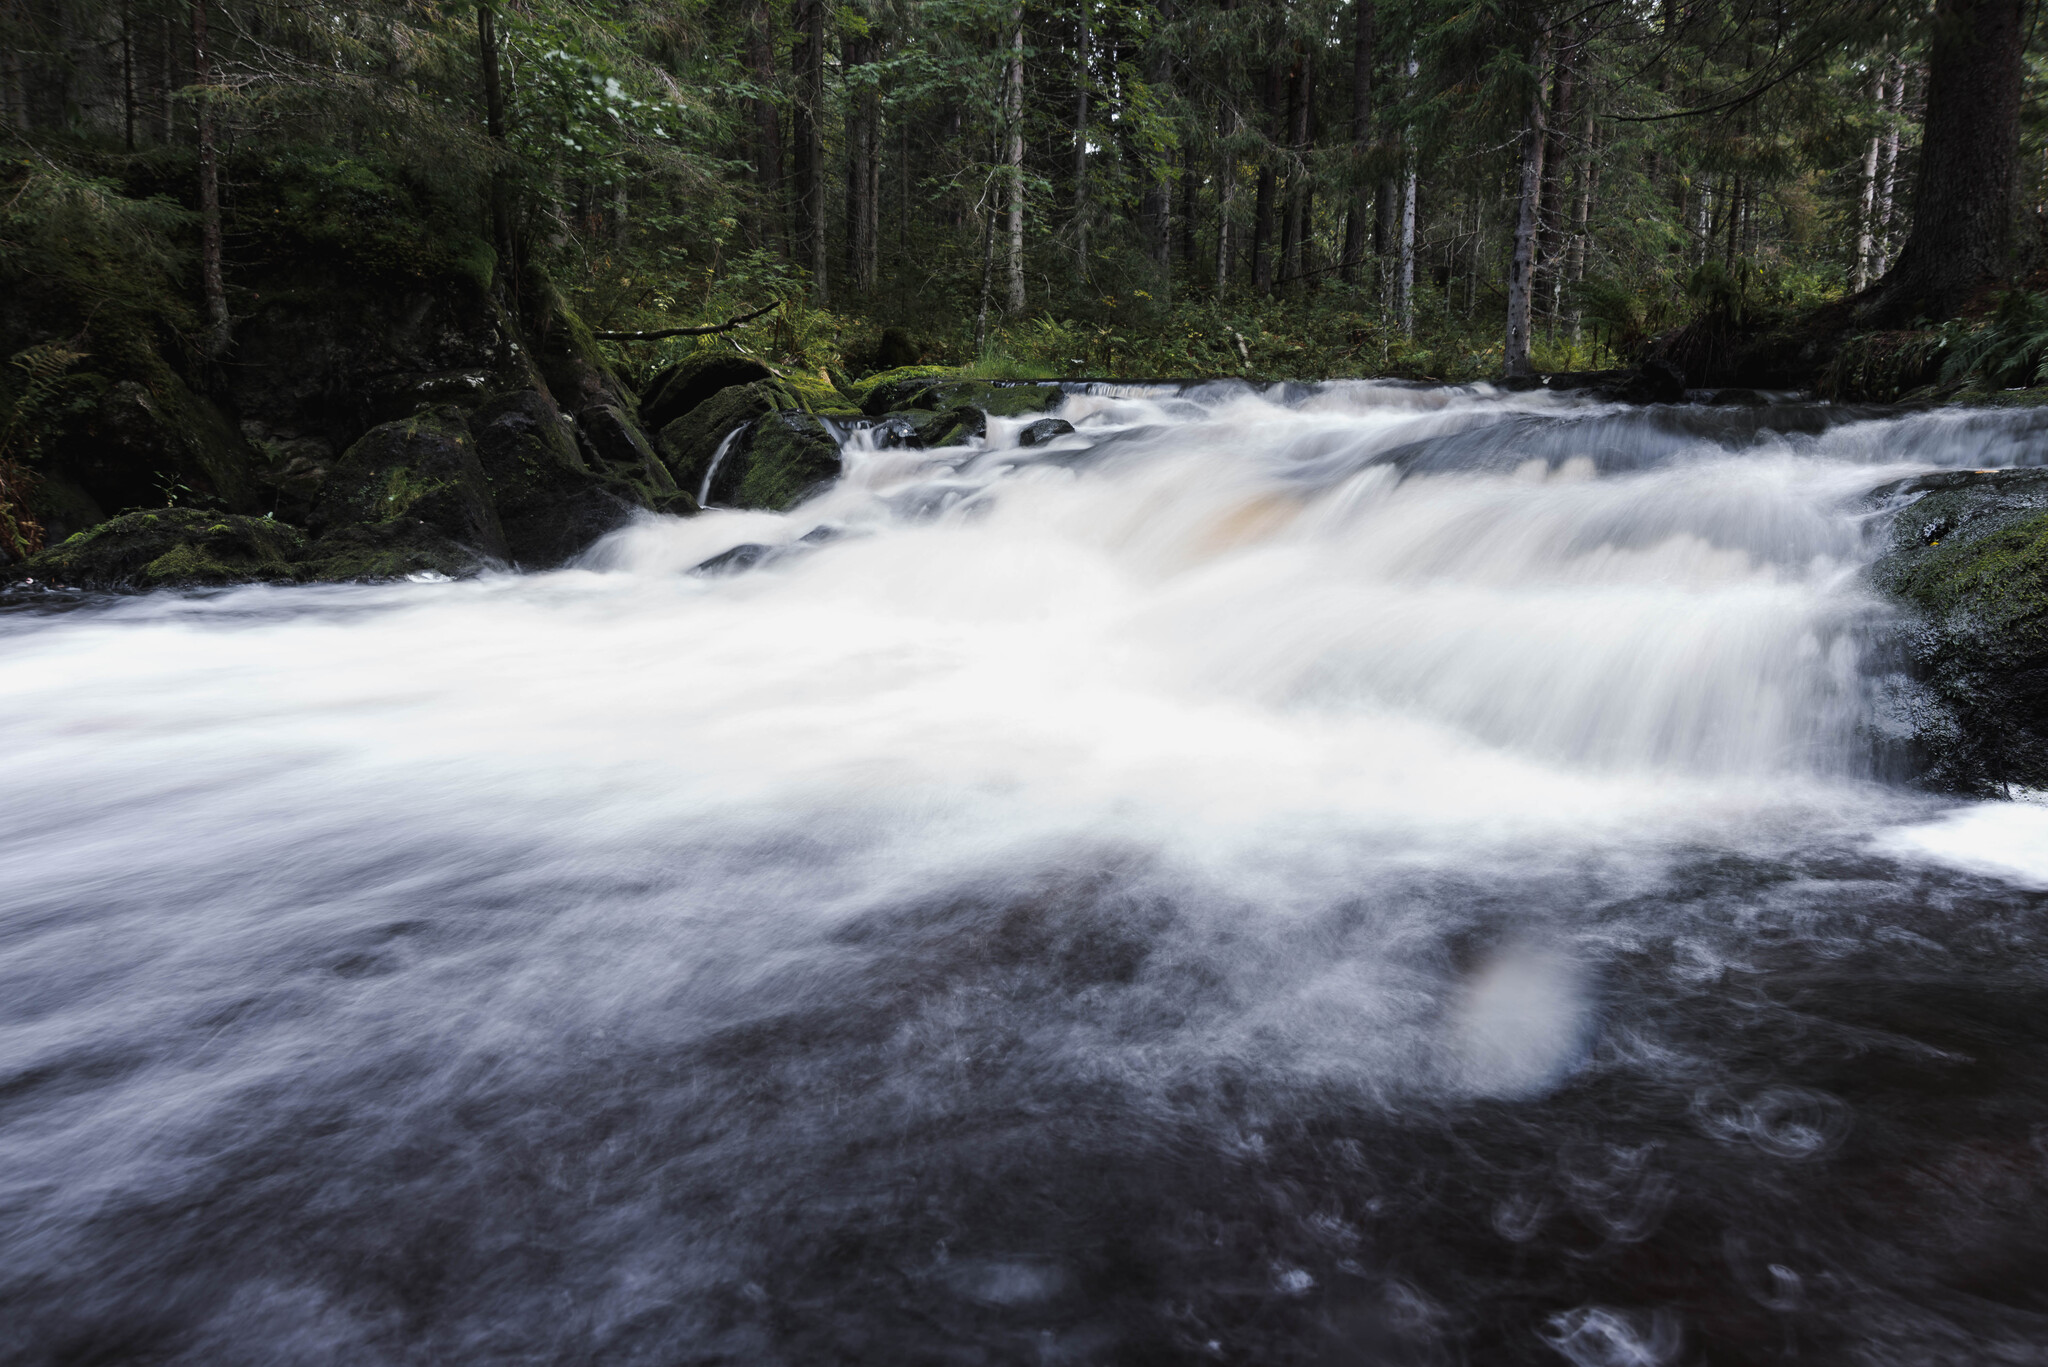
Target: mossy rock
(168, 547)
(423, 468)
(786, 455)
(567, 354)
(896, 388)
(677, 391)
(946, 390)
(1968, 562)
(923, 430)
(616, 443)
(394, 549)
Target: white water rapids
(1306, 875)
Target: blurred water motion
(1344, 873)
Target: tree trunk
(1408, 191)
(127, 76)
(1888, 170)
(494, 128)
(1226, 200)
(1866, 208)
(1262, 212)
(211, 284)
(1556, 173)
(808, 146)
(170, 84)
(863, 167)
(767, 126)
(1294, 235)
(1013, 113)
(1962, 205)
(1155, 209)
(1582, 216)
(1521, 266)
(1081, 77)
(1361, 140)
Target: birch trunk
(1888, 171)
(1582, 217)
(1866, 210)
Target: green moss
(175, 546)
(2001, 578)
(403, 489)
(1969, 563)
(788, 453)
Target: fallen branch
(707, 330)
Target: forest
(1199, 186)
(1829, 193)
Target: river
(1346, 873)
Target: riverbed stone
(423, 468)
(1967, 565)
(165, 547)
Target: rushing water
(1351, 874)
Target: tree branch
(705, 331)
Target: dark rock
(617, 442)
(424, 468)
(895, 350)
(1968, 565)
(549, 503)
(947, 426)
(677, 391)
(404, 546)
(1518, 384)
(145, 445)
(744, 556)
(1044, 430)
(938, 392)
(170, 546)
(567, 354)
(1655, 381)
(63, 507)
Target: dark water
(1285, 882)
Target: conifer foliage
(1412, 186)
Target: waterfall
(1345, 872)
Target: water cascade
(1351, 873)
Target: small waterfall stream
(1346, 873)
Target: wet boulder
(720, 432)
(550, 504)
(786, 455)
(1043, 431)
(1966, 707)
(168, 547)
(617, 446)
(423, 469)
(399, 548)
(691, 443)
